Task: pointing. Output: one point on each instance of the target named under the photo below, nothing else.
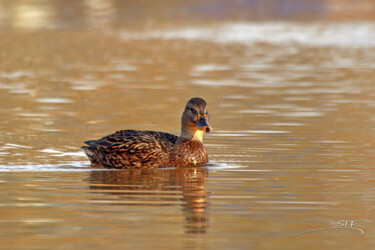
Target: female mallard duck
(149, 149)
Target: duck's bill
(202, 124)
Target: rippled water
(292, 107)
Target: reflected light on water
(33, 16)
(316, 34)
(99, 13)
(291, 102)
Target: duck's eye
(192, 110)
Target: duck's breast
(188, 152)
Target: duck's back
(131, 149)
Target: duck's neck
(191, 135)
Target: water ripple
(344, 34)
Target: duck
(151, 149)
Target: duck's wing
(131, 149)
(120, 133)
(170, 137)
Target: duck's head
(194, 121)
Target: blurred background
(290, 88)
(107, 14)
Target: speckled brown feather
(188, 153)
(131, 149)
(149, 149)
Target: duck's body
(150, 149)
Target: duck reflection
(158, 187)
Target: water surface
(292, 106)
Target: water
(292, 107)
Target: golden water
(292, 106)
